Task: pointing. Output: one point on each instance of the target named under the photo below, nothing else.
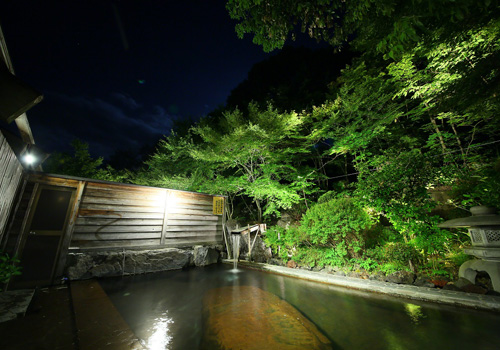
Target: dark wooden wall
(11, 173)
(113, 215)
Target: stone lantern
(484, 231)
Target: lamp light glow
(29, 159)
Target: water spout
(235, 240)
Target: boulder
(423, 282)
(284, 221)
(277, 262)
(401, 277)
(204, 256)
(79, 266)
(246, 317)
(104, 264)
(156, 260)
(378, 276)
(451, 286)
(471, 288)
(260, 252)
(463, 282)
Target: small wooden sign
(218, 205)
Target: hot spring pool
(165, 311)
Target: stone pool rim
(440, 296)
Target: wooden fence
(11, 173)
(113, 215)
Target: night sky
(116, 74)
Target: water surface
(165, 311)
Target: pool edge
(463, 299)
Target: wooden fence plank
(189, 211)
(191, 222)
(117, 221)
(52, 180)
(111, 214)
(121, 208)
(117, 229)
(193, 234)
(148, 196)
(114, 236)
(193, 217)
(207, 208)
(123, 202)
(111, 244)
(192, 228)
(195, 240)
(106, 186)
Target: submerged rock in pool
(249, 318)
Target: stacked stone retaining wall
(89, 264)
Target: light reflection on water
(160, 337)
(164, 309)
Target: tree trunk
(259, 210)
(438, 132)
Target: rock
(156, 260)
(339, 273)
(378, 276)
(15, 303)
(471, 288)
(354, 274)
(318, 268)
(277, 262)
(401, 277)
(329, 269)
(284, 221)
(451, 286)
(462, 282)
(423, 282)
(246, 317)
(492, 292)
(108, 268)
(79, 266)
(204, 256)
(101, 264)
(439, 282)
(291, 264)
(260, 252)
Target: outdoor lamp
(484, 231)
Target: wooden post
(255, 238)
(68, 233)
(165, 218)
(22, 232)
(225, 233)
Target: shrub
(338, 224)
(8, 268)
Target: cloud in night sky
(118, 122)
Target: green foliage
(401, 253)
(8, 268)
(387, 26)
(81, 164)
(478, 186)
(336, 221)
(262, 151)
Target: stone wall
(83, 265)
